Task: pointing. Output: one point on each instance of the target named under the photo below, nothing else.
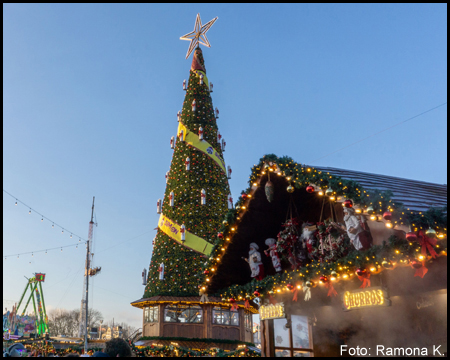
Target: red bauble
(323, 279)
(220, 235)
(244, 196)
(411, 236)
(361, 272)
(231, 300)
(348, 203)
(387, 215)
(256, 293)
(310, 189)
(416, 264)
(290, 286)
(206, 272)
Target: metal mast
(83, 331)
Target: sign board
(272, 311)
(365, 298)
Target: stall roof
(415, 195)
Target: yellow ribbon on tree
(194, 242)
(202, 145)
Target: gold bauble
(290, 189)
(225, 223)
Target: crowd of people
(113, 348)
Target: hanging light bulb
(79, 239)
(53, 225)
(16, 202)
(32, 254)
(45, 252)
(61, 249)
(17, 256)
(42, 219)
(76, 247)
(71, 236)
(62, 231)
(29, 212)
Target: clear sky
(91, 93)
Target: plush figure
(307, 238)
(272, 252)
(254, 260)
(359, 236)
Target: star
(198, 35)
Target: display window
(151, 314)
(225, 316)
(248, 320)
(192, 314)
(294, 340)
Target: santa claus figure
(254, 260)
(272, 252)
(307, 238)
(360, 238)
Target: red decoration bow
(234, 306)
(246, 304)
(427, 243)
(420, 271)
(331, 289)
(365, 280)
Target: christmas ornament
(220, 235)
(218, 137)
(201, 79)
(361, 272)
(171, 198)
(172, 142)
(333, 275)
(387, 215)
(203, 197)
(223, 144)
(217, 113)
(210, 87)
(158, 206)
(188, 164)
(310, 189)
(198, 35)
(181, 136)
(225, 223)
(348, 203)
(167, 177)
(430, 233)
(229, 172)
(184, 84)
(230, 201)
(323, 279)
(328, 192)
(183, 233)
(161, 271)
(256, 293)
(206, 272)
(290, 189)
(179, 116)
(244, 196)
(411, 236)
(416, 264)
(194, 105)
(370, 210)
(269, 189)
(309, 284)
(200, 133)
(387, 264)
(290, 286)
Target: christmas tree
(196, 197)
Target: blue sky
(91, 92)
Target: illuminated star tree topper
(198, 35)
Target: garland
(208, 341)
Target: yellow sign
(272, 311)
(202, 145)
(192, 241)
(363, 298)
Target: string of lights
(379, 132)
(39, 251)
(46, 218)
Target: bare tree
(64, 322)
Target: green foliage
(183, 267)
(205, 340)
